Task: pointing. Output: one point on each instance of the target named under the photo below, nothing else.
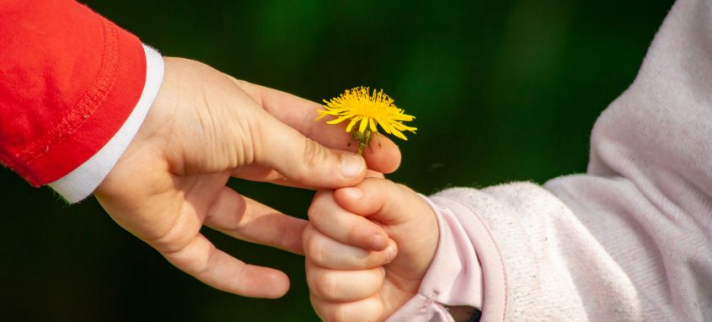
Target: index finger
(300, 114)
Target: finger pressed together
(366, 310)
(343, 226)
(328, 253)
(343, 285)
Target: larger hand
(203, 128)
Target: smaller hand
(367, 249)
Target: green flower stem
(363, 139)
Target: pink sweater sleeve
(630, 240)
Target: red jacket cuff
(70, 80)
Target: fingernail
(377, 242)
(353, 193)
(351, 165)
(390, 252)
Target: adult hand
(205, 127)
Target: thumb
(382, 200)
(302, 160)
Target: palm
(203, 128)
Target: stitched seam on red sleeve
(86, 106)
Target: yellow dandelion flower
(367, 110)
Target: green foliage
(525, 80)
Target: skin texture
(348, 280)
(204, 128)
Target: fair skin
(204, 128)
(349, 282)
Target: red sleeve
(69, 78)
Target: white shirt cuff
(81, 182)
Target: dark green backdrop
(502, 91)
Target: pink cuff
(493, 279)
(455, 276)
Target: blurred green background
(502, 91)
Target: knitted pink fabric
(630, 240)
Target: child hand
(354, 271)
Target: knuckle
(322, 308)
(326, 285)
(203, 265)
(354, 236)
(375, 259)
(311, 158)
(314, 250)
(315, 209)
(318, 207)
(307, 234)
(341, 314)
(179, 236)
(312, 153)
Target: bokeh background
(503, 90)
